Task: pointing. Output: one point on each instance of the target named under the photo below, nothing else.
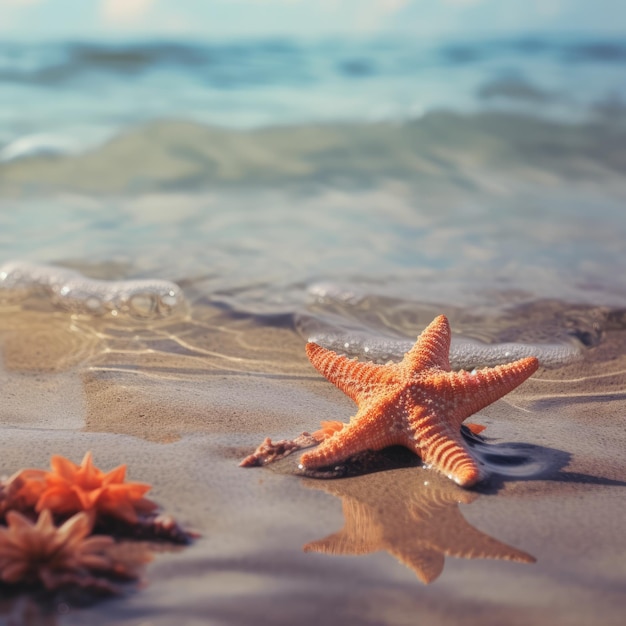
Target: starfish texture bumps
(39, 552)
(70, 488)
(418, 403)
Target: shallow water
(281, 220)
(182, 400)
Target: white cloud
(125, 11)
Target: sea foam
(72, 291)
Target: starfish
(70, 488)
(416, 521)
(418, 403)
(41, 551)
(118, 507)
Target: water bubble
(93, 305)
(170, 300)
(142, 305)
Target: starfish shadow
(523, 462)
(414, 516)
(502, 462)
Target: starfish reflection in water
(412, 515)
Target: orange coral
(70, 488)
(475, 429)
(327, 430)
(32, 552)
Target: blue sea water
(438, 171)
(77, 93)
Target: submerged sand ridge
(183, 400)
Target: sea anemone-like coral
(70, 488)
(40, 552)
(328, 429)
(119, 508)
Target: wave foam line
(465, 354)
(72, 291)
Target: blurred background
(444, 150)
(75, 73)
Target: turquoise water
(76, 93)
(439, 172)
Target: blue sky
(225, 18)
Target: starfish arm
(427, 563)
(442, 448)
(16, 520)
(87, 498)
(115, 476)
(340, 543)
(474, 391)
(432, 347)
(471, 543)
(75, 529)
(59, 499)
(483, 546)
(366, 431)
(359, 380)
(63, 467)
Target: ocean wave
(93, 89)
(242, 62)
(438, 147)
(72, 291)
(359, 339)
(38, 145)
(362, 321)
(226, 64)
(466, 354)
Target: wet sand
(181, 402)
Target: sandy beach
(182, 403)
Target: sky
(53, 19)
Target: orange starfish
(418, 403)
(70, 488)
(41, 551)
